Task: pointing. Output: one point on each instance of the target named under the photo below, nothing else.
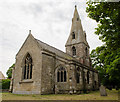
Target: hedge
(5, 84)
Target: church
(43, 69)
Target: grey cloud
(32, 9)
(51, 19)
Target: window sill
(26, 81)
(61, 82)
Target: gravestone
(103, 91)
(118, 95)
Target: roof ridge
(54, 48)
(61, 52)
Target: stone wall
(80, 53)
(96, 80)
(47, 78)
(61, 87)
(28, 86)
(45, 63)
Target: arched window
(88, 77)
(61, 75)
(28, 67)
(73, 51)
(73, 35)
(86, 51)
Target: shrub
(5, 84)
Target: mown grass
(94, 95)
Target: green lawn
(112, 95)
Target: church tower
(76, 44)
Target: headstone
(103, 91)
(118, 95)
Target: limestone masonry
(43, 69)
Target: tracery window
(73, 51)
(61, 75)
(28, 67)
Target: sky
(49, 21)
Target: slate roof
(55, 50)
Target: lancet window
(73, 51)
(86, 51)
(77, 19)
(73, 35)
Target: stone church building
(43, 69)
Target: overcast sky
(49, 20)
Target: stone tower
(76, 44)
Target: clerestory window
(61, 75)
(28, 67)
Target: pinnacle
(76, 15)
(29, 31)
(75, 6)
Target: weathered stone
(103, 91)
(48, 63)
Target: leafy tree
(106, 59)
(9, 71)
(98, 63)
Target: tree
(106, 58)
(9, 71)
(98, 62)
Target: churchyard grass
(94, 95)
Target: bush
(5, 84)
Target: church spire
(76, 15)
(77, 29)
(76, 44)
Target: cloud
(49, 21)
